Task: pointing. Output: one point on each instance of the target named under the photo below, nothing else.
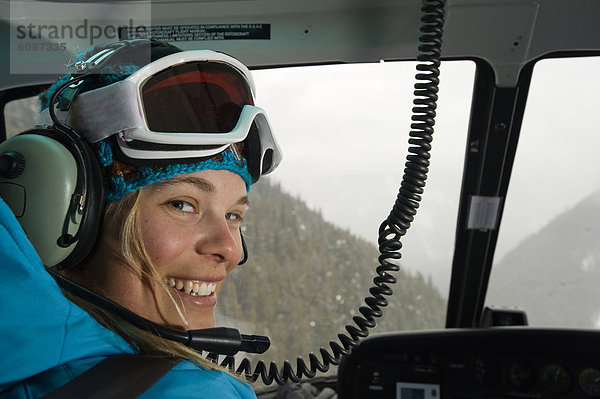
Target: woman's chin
(200, 326)
(200, 322)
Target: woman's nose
(220, 239)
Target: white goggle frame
(117, 109)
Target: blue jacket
(46, 340)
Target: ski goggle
(192, 104)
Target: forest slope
(307, 278)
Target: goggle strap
(101, 58)
(98, 58)
(67, 96)
(100, 113)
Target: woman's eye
(182, 206)
(236, 217)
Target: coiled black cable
(396, 224)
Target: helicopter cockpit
(432, 230)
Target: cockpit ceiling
(505, 33)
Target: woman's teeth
(191, 288)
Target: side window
(548, 255)
(20, 115)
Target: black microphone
(218, 340)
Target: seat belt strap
(118, 376)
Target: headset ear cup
(93, 207)
(57, 197)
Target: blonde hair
(125, 212)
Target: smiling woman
(189, 241)
(153, 217)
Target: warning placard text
(187, 33)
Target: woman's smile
(191, 287)
(195, 293)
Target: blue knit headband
(119, 183)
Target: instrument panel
(498, 362)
